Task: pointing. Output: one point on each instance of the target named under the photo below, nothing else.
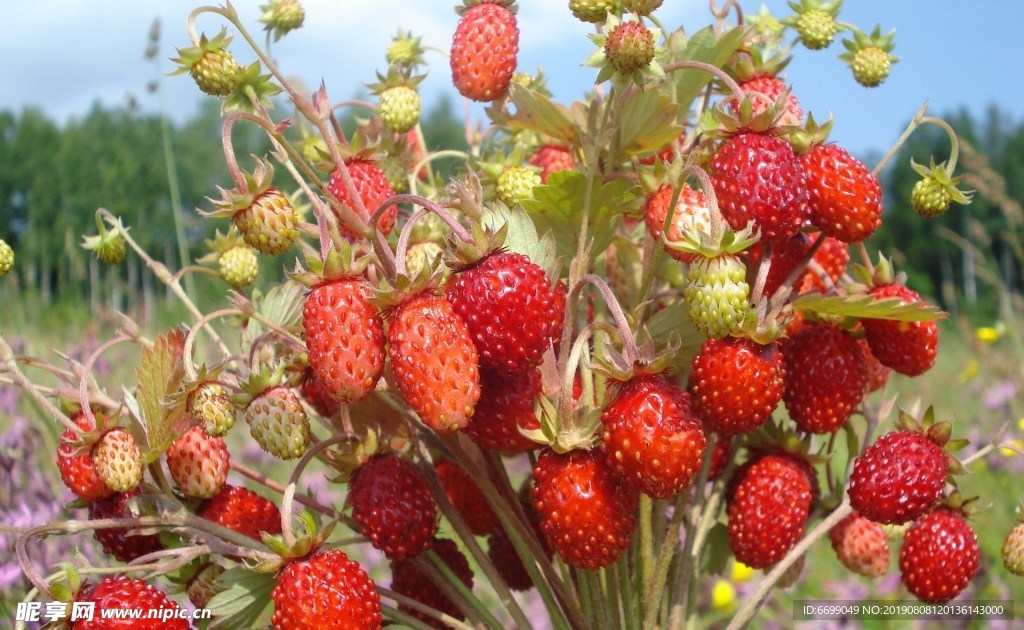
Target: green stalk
(173, 185)
(466, 595)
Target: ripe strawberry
(198, 463)
(587, 511)
(1013, 550)
(399, 109)
(899, 477)
(243, 511)
(314, 393)
(345, 339)
(716, 294)
(736, 384)
(392, 504)
(629, 47)
(118, 460)
(238, 266)
(720, 458)
(765, 91)
(691, 214)
(133, 597)
(833, 256)
(121, 542)
(210, 404)
(467, 498)
(939, 556)
(516, 183)
(651, 436)
(505, 407)
(825, 377)
(878, 374)
(324, 590)
(861, 545)
(758, 178)
(269, 223)
(77, 471)
(484, 48)
(845, 197)
(511, 309)
(435, 363)
(907, 347)
(551, 158)
(768, 505)
(408, 580)
(203, 587)
(278, 422)
(372, 187)
(593, 11)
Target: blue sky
(954, 53)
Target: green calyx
(469, 4)
(282, 17)
(108, 246)
(307, 538)
(234, 200)
(582, 433)
(349, 260)
(251, 85)
(870, 56)
(936, 190)
(940, 432)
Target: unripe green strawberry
(108, 246)
(930, 198)
(593, 11)
(270, 223)
(198, 463)
(282, 16)
(816, 28)
(516, 184)
(6, 258)
(629, 47)
(211, 65)
(871, 66)
(399, 108)
(419, 255)
(203, 585)
(716, 294)
(210, 404)
(238, 266)
(641, 7)
(278, 422)
(1013, 550)
(117, 460)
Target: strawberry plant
(632, 338)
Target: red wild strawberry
(467, 498)
(720, 458)
(861, 545)
(435, 363)
(878, 374)
(587, 511)
(408, 580)
(832, 258)
(78, 471)
(391, 502)
(899, 477)
(198, 463)
(736, 384)
(758, 178)
(509, 305)
(765, 91)
(691, 213)
(325, 590)
(243, 511)
(373, 189)
(131, 596)
(825, 377)
(484, 48)
(505, 407)
(313, 392)
(651, 436)
(551, 158)
(940, 555)
(768, 505)
(845, 198)
(121, 542)
(907, 347)
(345, 339)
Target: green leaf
(647, 122)
(282, 305)
(716, 552)
(160, 373)
(557, 207)
(521, 236)
(674, 319)
(537, 112)
(245, 599)
(705, 46)
(867, 307)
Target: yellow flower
(1013, 449)
(723, 595)
(989, 334)
(970, 371)
(741, 572)
(1020, 424)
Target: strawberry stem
(229, 152)
(630, 351)
(689, 64)
(954, 151)
(190, 338)
(9, 364)
(914, 123)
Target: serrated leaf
(707, 47)
(245, 599)
(647, 122)
(557, 207)
(160, 373)
(674, 319)
(521, 236)
(716, 552)
(867, 307)
(281, 305)
(536, 112)
(852, 441)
